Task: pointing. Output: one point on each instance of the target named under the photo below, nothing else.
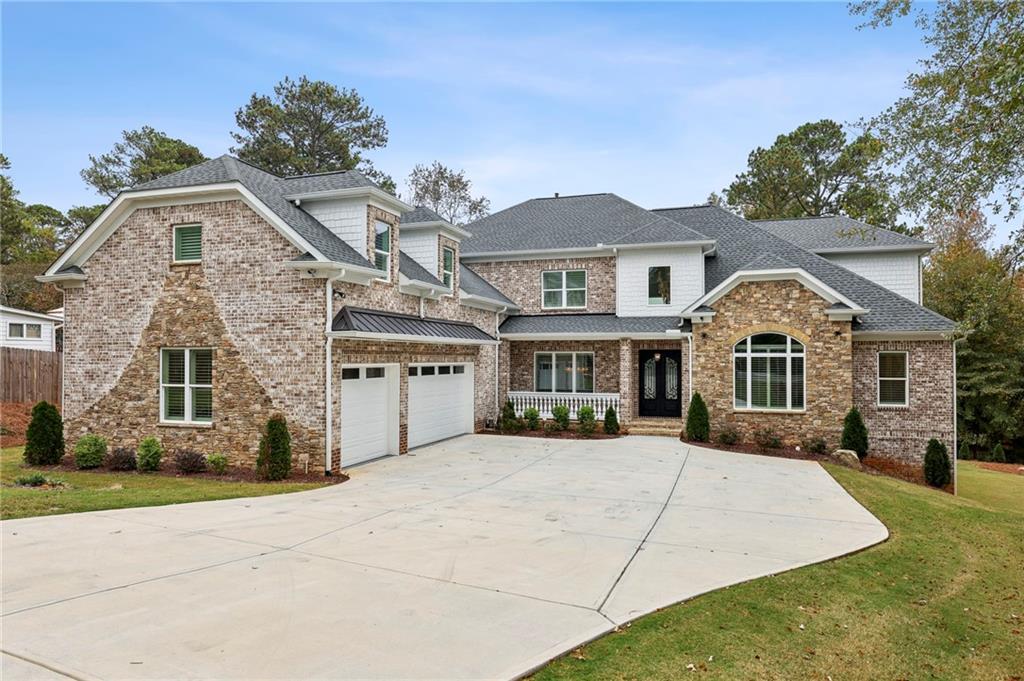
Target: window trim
(386, 272)
(450, 274)
(574, 353)
(187, 421)
(10, 330)
(174, 244)
(906, 380)
(788, 355)
(669, 302)
(565, 290)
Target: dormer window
(382, 248)
(448, 266)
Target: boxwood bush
(150, 453)
(510, 423)
(532, 418)
(587, 420)
(90, 451)
(560, 413)
(218, 463)
(44, 439)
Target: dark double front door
(660, 382)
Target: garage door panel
(440, 405)
(367, 404)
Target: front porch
(641, 379)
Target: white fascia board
(127, 202)
(901, 335)
(374, 195)
(839, 250)
(553, 254)
(30, 313)
(403, 338)
(416, 287)
(456, 233)
(70, 279)
(704, 245)
(668, 334)
(484, 303)
(326, 269)
(796, 273)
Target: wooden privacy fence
(30, 375)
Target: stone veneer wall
(903, 432)
(783, 307)
(520, 281)
(136, 302)
(606, 362)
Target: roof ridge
(325, 172)
(690, 207)
(806, 217)
(572, 196)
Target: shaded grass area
(941, 599)
(97, 491)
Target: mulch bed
(557, 434)
(14, 419)
(781, 452)
(233, 474)
(1015, 468)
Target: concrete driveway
(480, 557)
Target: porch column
(625, 380)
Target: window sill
(563, 309)
(755, 410)
(184, 424)
(185, 263)
(896, 407)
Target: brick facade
(783, 307)
(520, 281)
(606, 362)
(903, 432)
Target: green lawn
(96, 491)
(943, 598)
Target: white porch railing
(545, 402)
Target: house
(28, 330)
(203, 302)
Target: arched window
(768, 372)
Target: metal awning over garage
(361, 323)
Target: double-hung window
(566, 289)
(188, 243)
(564, 372)
(893, 379)
(382, 247)
(659, 285)
(768, 373)
(186, 385)
(448, 266)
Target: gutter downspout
(329, 374)
(956, 450)
(689, 364)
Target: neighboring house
(28, 330)
(202, 303)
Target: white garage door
(440, 402)
(369, 413)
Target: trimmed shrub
(767, 438)
(815, 445)
(611, 421)
(189, 462)
(44, 439)
(855, 433)
(218, 463)
(560, 413)
(275, 458)
(587, 420)
(965, 452)
(937, 469)
(532, 418)
(150, 453)
(727, 436)
(698, 426)
(122, 459)
(998, 455)
(90, 450)
(510, 423)
(34, 480)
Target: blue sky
(658, 103)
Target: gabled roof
(740, 243)
(33, 313)
(472, 283)
(420, 214)
(414, 270)
(838, 233)
(586, 221)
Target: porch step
(664, 427)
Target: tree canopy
(310, 126)
(141, 155)
(815, 170)
(958, 134)
(447, 192)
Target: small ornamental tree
(998, 455)
(274, 461)
(855, 434)
(611, 421)
(509, 421)
(965, 451)
(698, 427)
(937, 470)
(44, 439)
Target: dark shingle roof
(420, 214)
(740, 243)
(839, 233)
(375, 321)
(572, 222)
(587, 323)
(271, 190)
(474, 284)
(414, 270)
